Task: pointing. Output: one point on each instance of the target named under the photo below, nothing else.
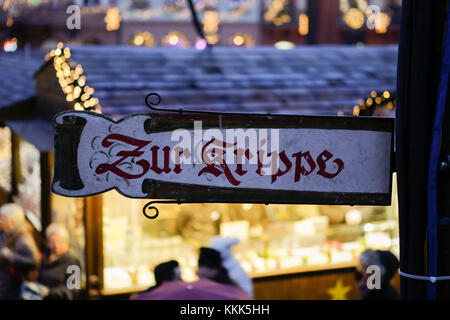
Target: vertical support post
(323, 21)
(46, 167)
(93, 221)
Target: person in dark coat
(164, 272)
(54, 270)
(19, 254)
(388, 265)
(210, 266)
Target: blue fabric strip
(434, 163)
(444, 221)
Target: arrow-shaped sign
(226, 157)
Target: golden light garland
(366, 107)
(72, 80)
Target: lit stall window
(140, 4)
(203, 5)
(5, 159)
(174, 5)
(273, 238)
(29, 182)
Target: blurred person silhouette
(210, 266)
(19, 255)
(235, 271)
(164, 272)
(388, 265)
(52, 280)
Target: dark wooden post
(46, 214)
(324, 19)
(94, 245)
(419, 62)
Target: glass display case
(69, 212)
(28, 178)
(274, 239)
(5, 159)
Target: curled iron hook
(152, 104)
(150, 206)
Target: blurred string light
(10, 45)
(176, 39)
(382, 23)
(112, 19)
(354, 18)
(143, 39)
(355, 15)
(303, 24)
(211, 23)
(201, 44)
(375, 101)
(72, 80)
(274, 13)
(242, 40)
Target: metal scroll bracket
(151, 104)
(151, 206)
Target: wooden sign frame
(69, 128)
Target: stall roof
(319, 80)
(16, 76)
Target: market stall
(298, 245)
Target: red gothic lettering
(219, 157)
(300, 170)
(322, 163)
(154, 167)
(239, 155)
(105, 167)
(287, 163)
(178, 152)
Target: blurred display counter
(332, 282)
(306, 250)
